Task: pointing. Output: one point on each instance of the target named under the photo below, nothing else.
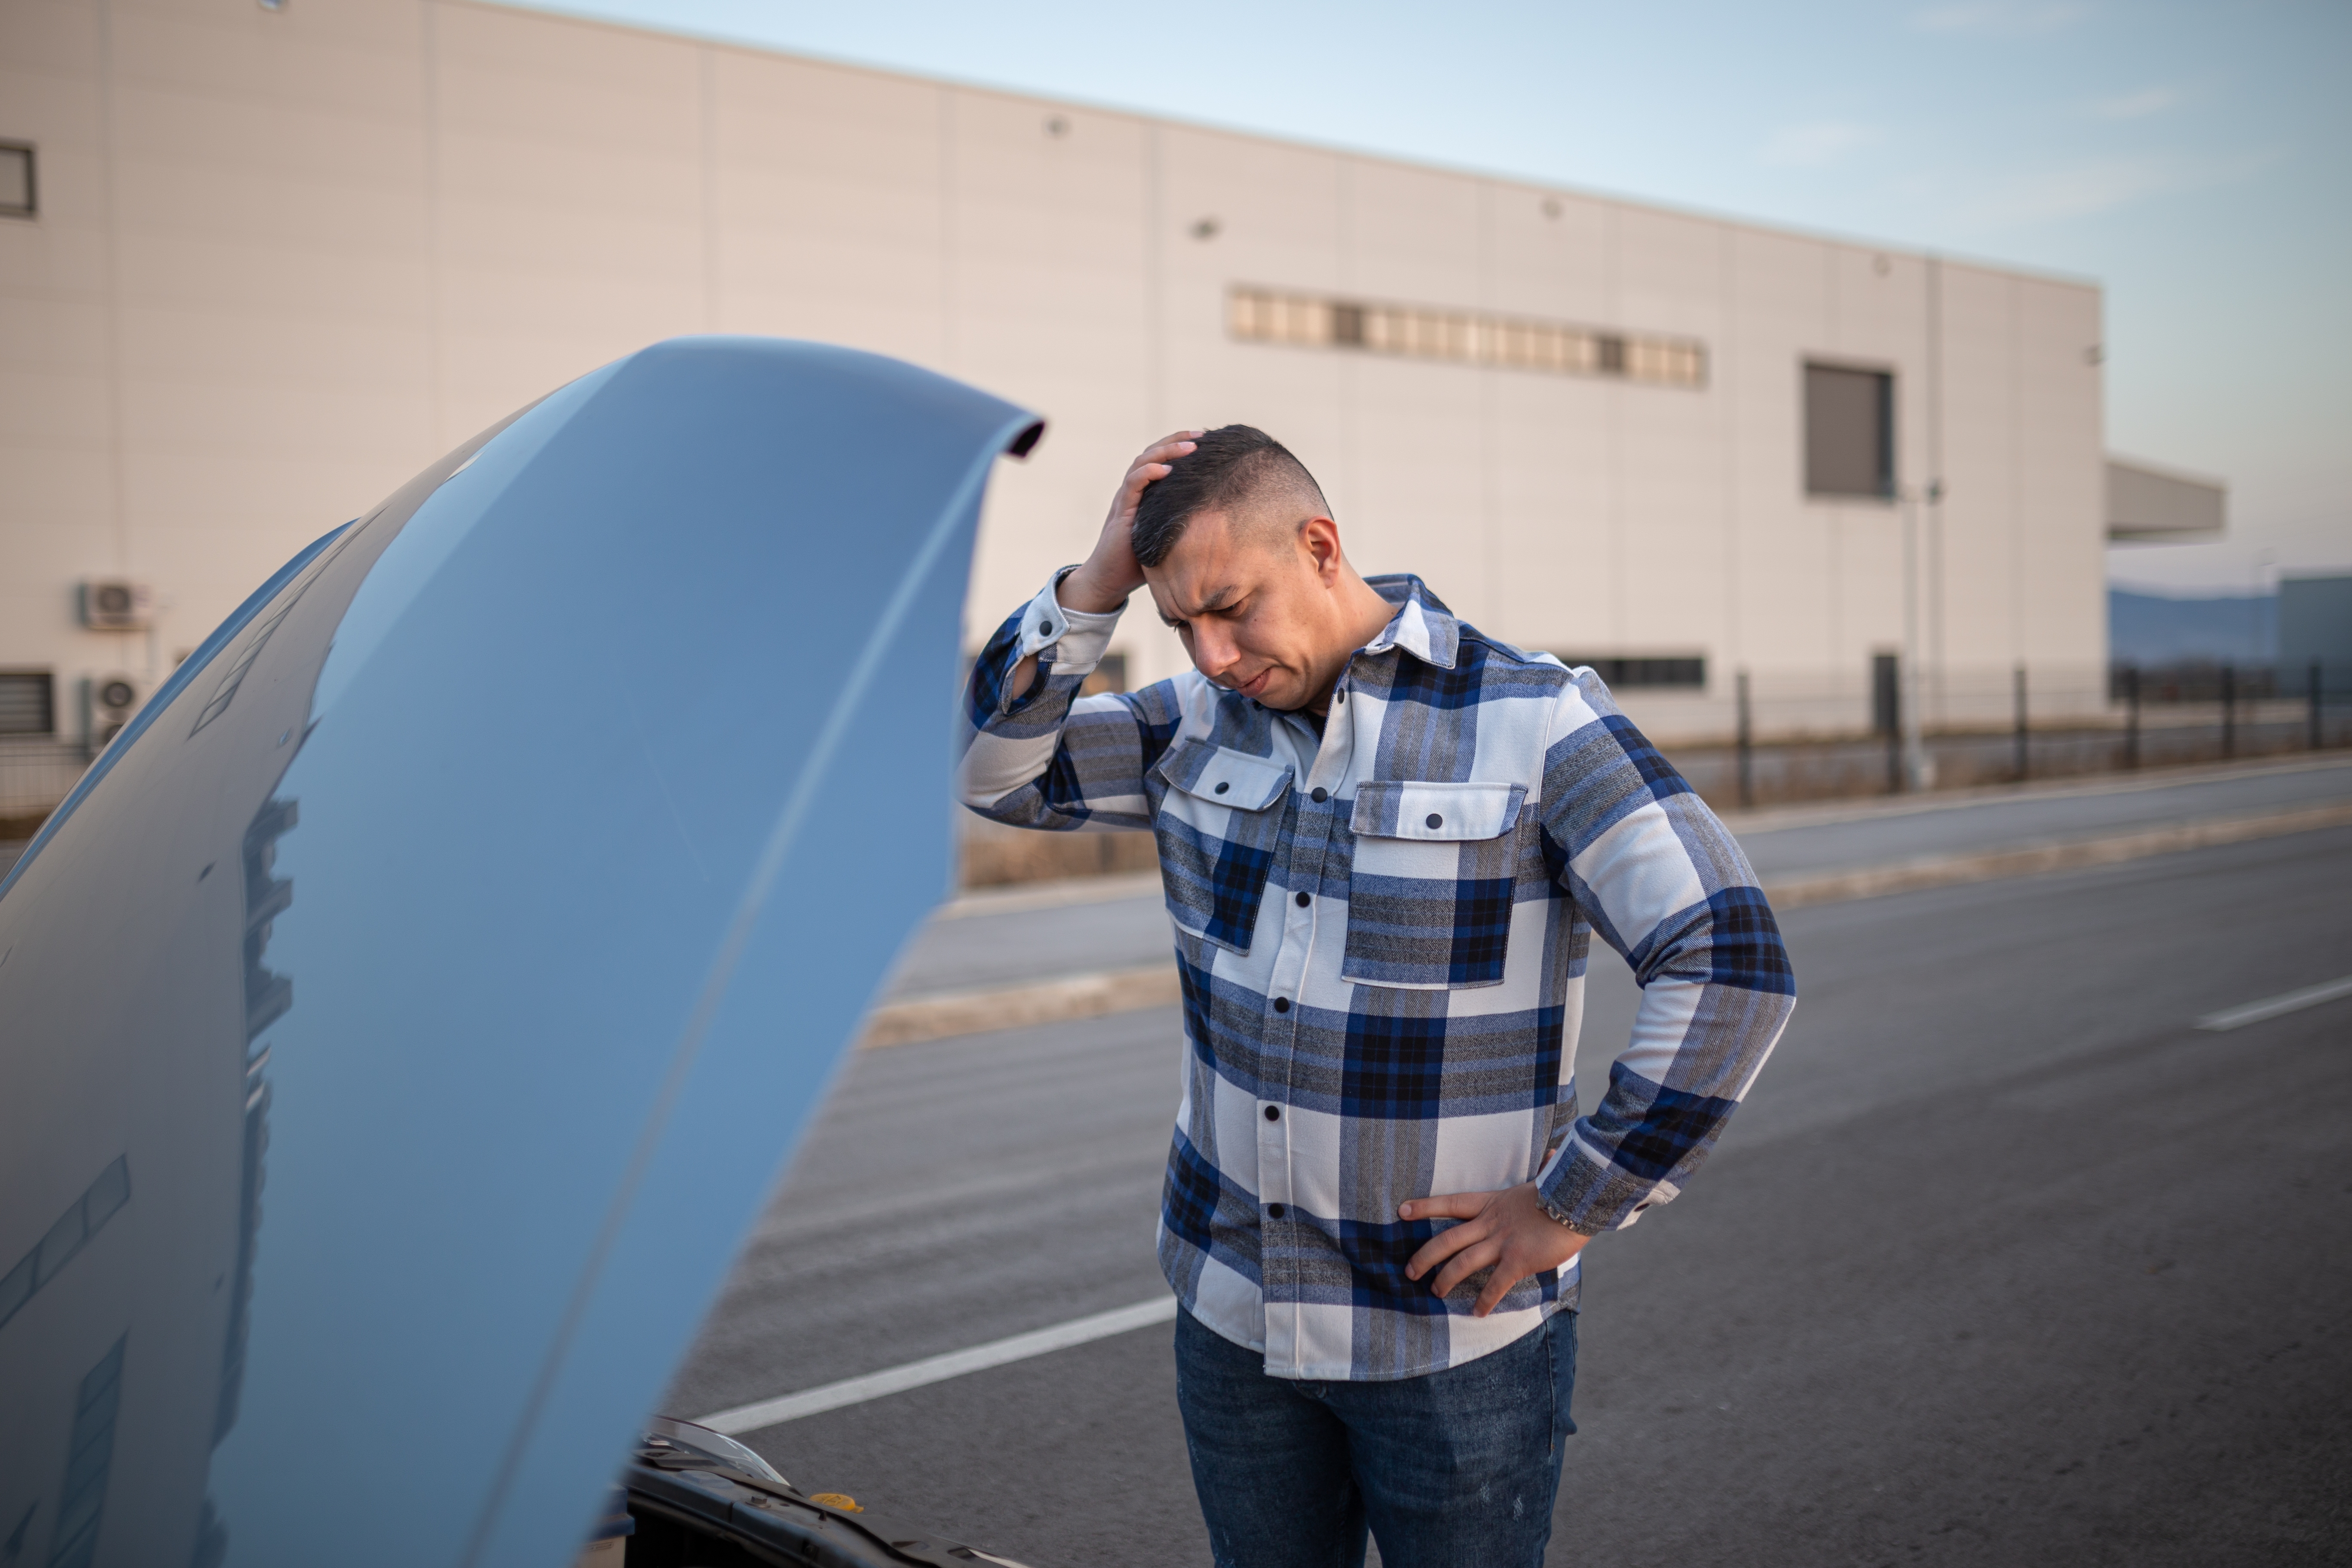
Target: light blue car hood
(402, 1025)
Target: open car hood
(401, 1023)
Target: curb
(1089, 995)
(2035, 859)
(1104, 991)
(1877, 808)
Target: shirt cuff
(1590, 1197)
(1078, 638)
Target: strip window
(1463, 337)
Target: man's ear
(1319, 537)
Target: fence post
(2229, 711)
(2312, 721)
(1748, 744)
(2131, 721)
(2020, 724)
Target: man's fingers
(1148, 470)
(1161, 456)
(1151, 464)
(1165, 451)
(1508, 1273)
(1504, 1231)
(1468, 1207)
(1446, 1205)
(1155, 464)
(1467, 1262)
(1441, 1247)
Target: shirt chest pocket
(1429, 889)
(1219, 826)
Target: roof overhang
(2149, 505)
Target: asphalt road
(980, 948)
(2004, 1261)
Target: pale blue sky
(2196, 158)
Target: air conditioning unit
(112, 605)
(108, 703)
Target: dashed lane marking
(940, 1368)
(2271, 1007)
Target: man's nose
(1214, 652)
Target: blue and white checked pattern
(1382, 933)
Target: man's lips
(1255, 683)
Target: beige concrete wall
(285, 259)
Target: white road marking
(939, 1368)
(2293, 1001)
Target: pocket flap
(1407, 808)
(1224, 776)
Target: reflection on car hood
(406, 1018)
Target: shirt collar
(1423, 626)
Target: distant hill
(2152, 629)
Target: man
(1386, 840)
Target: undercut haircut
(1232, 469)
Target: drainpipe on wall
(1919, 772)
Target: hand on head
(1110, 574)
(1242, 558)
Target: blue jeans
(1454, 1470)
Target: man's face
(1255, 605)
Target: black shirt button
(1274, 1113)
(1282, 1004)
(1340, 696)
(1303, 901)
(1435, 820)
(1320, 797)
(1274, 1211)
(1223, 787)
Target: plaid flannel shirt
(1382, 933)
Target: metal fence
(1809, 743)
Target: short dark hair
(1226, 466)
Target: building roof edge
(554, 10)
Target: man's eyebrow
(1210, 606)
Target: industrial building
(2314, 629)
(260, 262)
